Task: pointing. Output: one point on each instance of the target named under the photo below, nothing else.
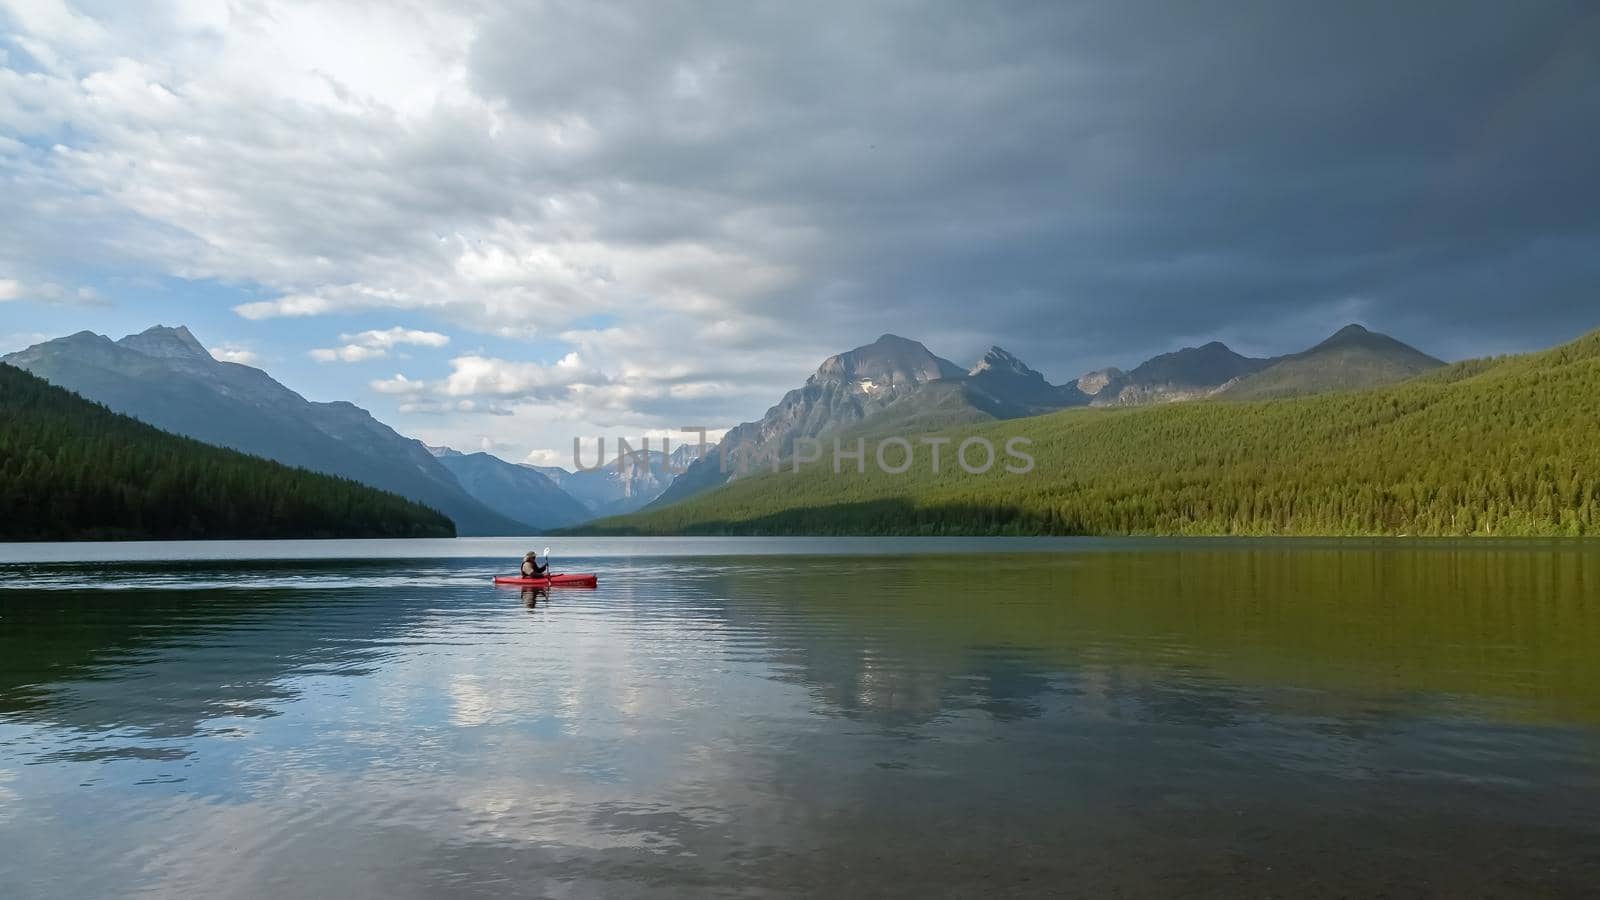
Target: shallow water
(882, 718)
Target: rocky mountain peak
(166, 343)
(1092, 383)
(1013, 389)
(1002, 362)
(890, 360)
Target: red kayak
(574, 580)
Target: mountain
(166, 343)
(1091, 383)
(1507, 446)
(608, 491)
(890, 361)
(895, 385)
(516, 492)
(164, 377)
(74, 470)
(1017, 390)
(891, 385)
(1353, 358)
(845, 390)
(1188, 374)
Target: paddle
(547, 571)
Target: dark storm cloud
(1089, 183)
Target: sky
(503, 225)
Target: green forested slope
(71, 469)
(1508, 446)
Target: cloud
(50, 292)
(485, 376)
(740, 191)
(235, 354)
(452, 407)
(350, 353)
(399, 384)
(397, 336)
(546, 457)
(573, 393)
(368, 345)
(288, 306)
(486, 384)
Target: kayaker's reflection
(531, 596)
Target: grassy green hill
(74, 470)
(1509, 446)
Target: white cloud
(368, 345)
(448, 407)
(235, 353)
(396, 336)
(475, 376)
(50, 292)
(350, 353)
(545, 457)
(399, 384)
(569, 388)
(292, 305)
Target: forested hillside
(166, 378)
(71, 470)
(1508, 446)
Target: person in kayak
(532, 569)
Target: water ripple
(1116, 720)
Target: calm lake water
(792, 718)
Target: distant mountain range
(610, 490)
(1504, 446)
(516, 492)
(1352, 359)
(1192, 373)
(164, 377)
(897, 385)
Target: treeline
(73, 470)
(1508, 446)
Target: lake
(780, 718)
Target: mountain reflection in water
(1159, 718)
